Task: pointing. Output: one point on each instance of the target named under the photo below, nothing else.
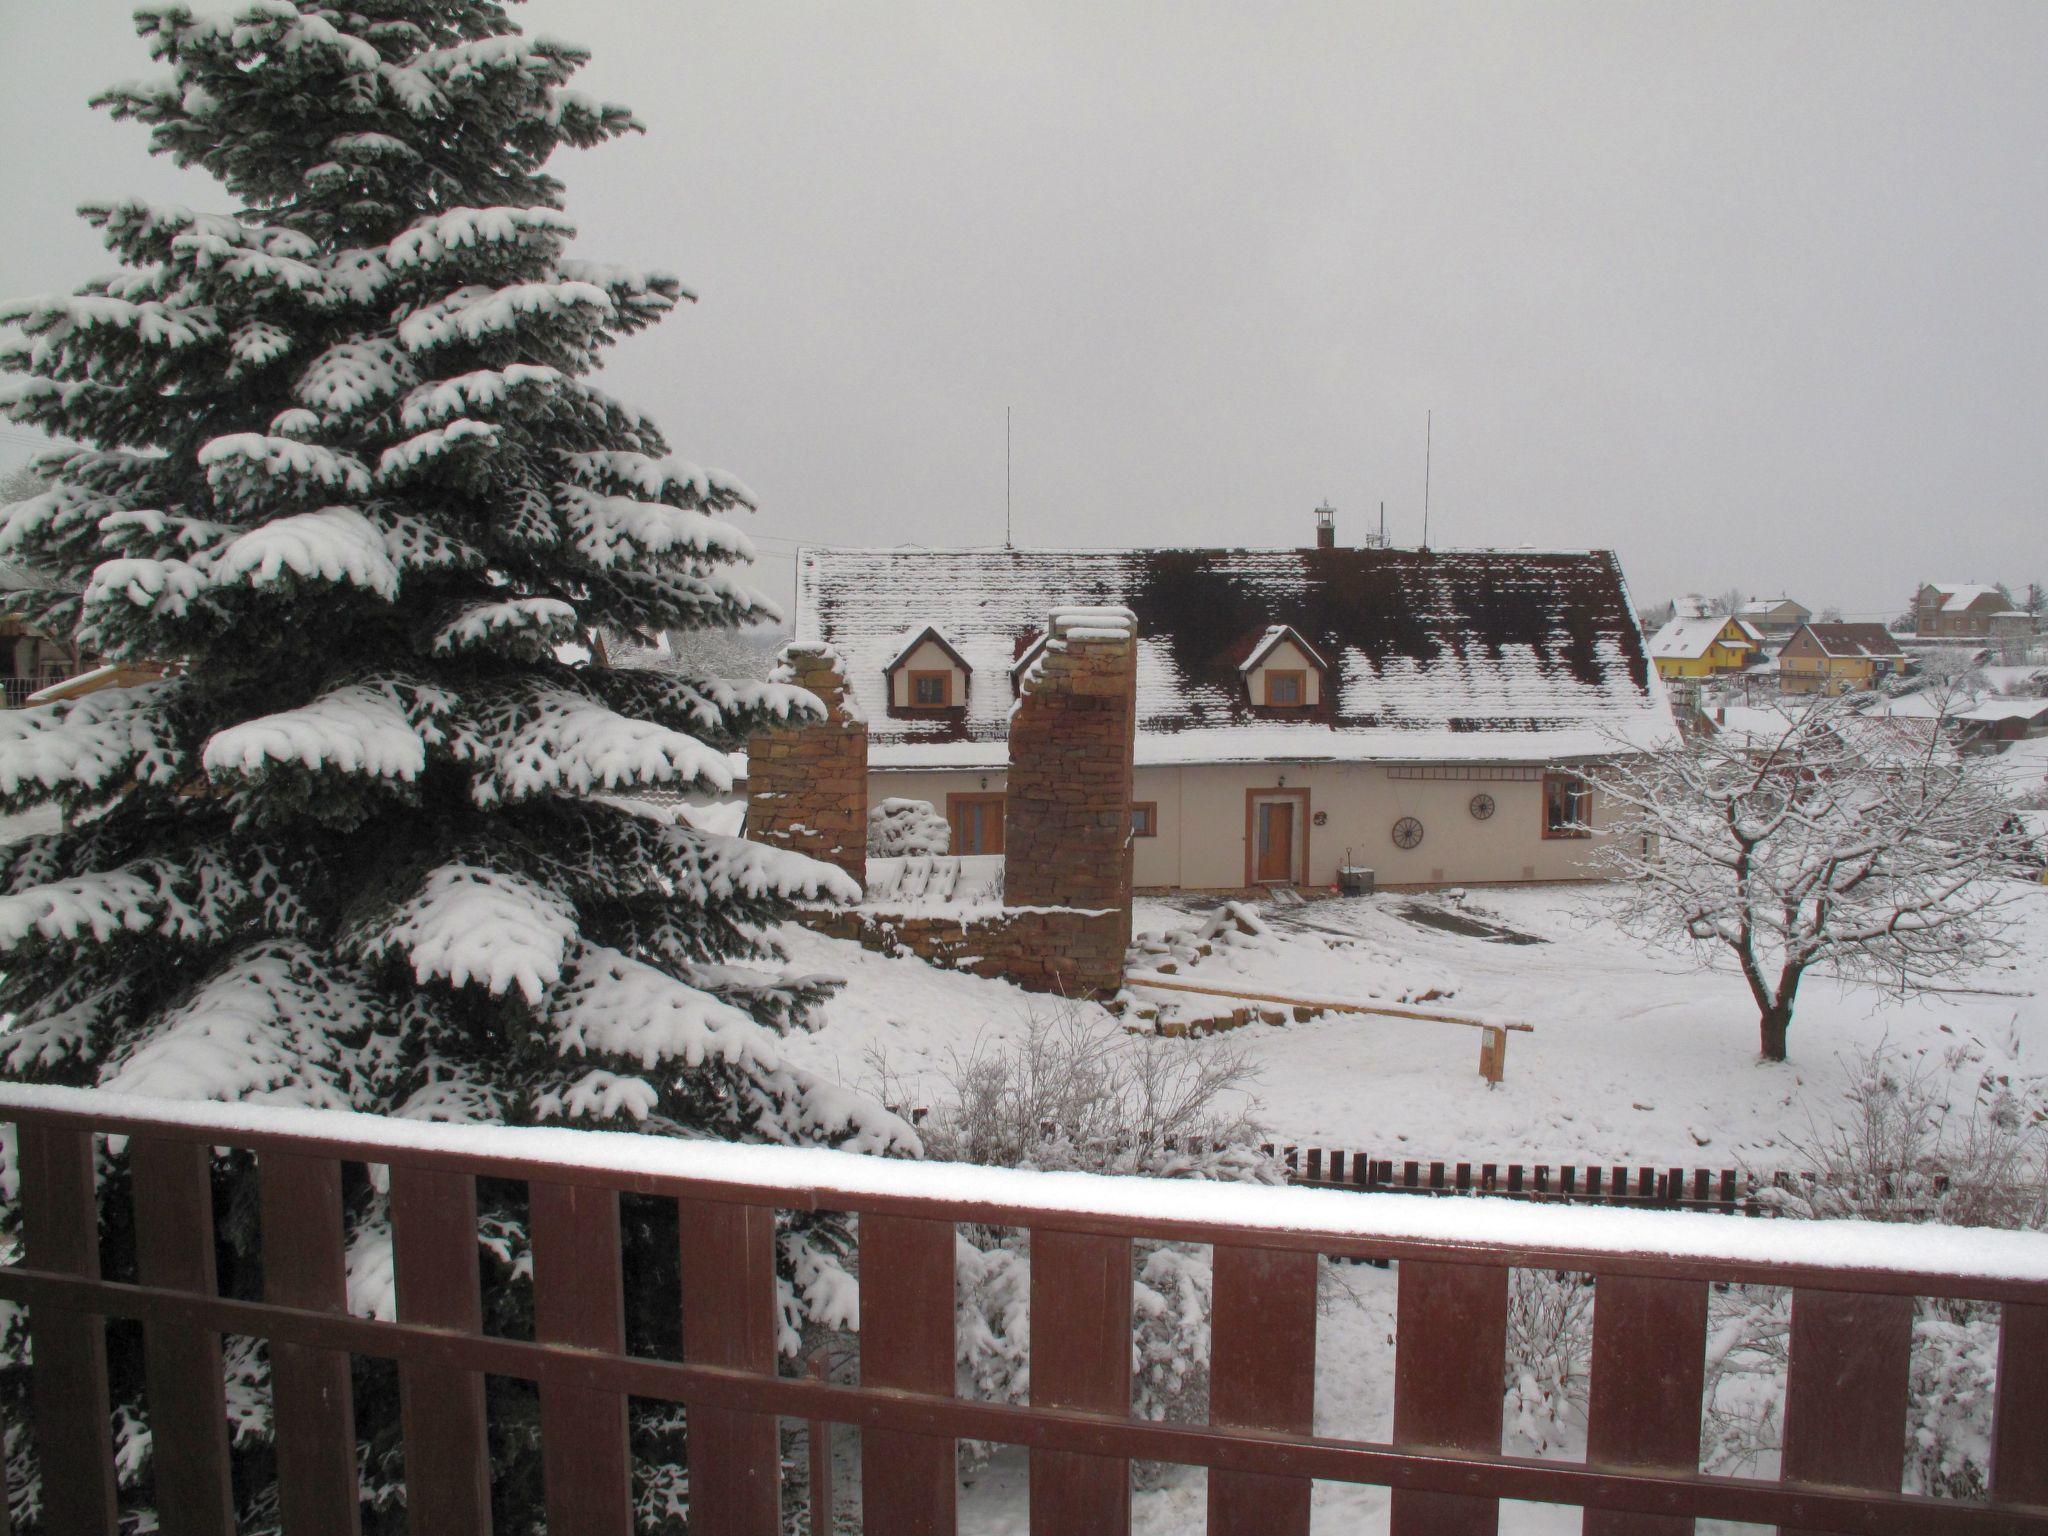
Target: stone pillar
(1067, 817)
(807, 783)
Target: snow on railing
(1854, 1289)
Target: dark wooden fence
(1723, 1191)
(1703, 1189)
(1845, 1413)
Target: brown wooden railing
(1844, 1423)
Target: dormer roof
(1267, 643)
(917, 638)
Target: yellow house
(1704, 647)
(1839, 658)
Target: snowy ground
(1635, 1057)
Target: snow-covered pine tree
(370, 843)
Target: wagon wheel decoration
(1407, 832)
(1481, 807)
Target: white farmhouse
(1422, 713)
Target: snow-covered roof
(1993, 710)
(1271, 638)
(916, 637)
(1957, 596)
(1853, 640)
(1431, 655)
(1688, 639)
(1764, 607)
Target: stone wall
(807, 784)
(1072, 953)
(1068, 812)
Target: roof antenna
(1428, 443)
(1006, 479)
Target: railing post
(1080, 1358)
(1845, 1391)
(182, 1366)
(434, 1247)
(2019, 1451)
(61, 1233)
(1262, 1375)
(906, 1341)
(579, 1298)
(1649, 1371)
(729, 1320)
(312, 1401)
(1449, 1350)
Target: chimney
(1326, 526)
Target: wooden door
(977, 823)
(1276, 840)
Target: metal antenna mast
(1428, 443)
(1006, 479)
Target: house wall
(928, 657)
(1286, 657)
(1202, 823)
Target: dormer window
(1284, 674)
(928, 675)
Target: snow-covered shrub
(1959, 1137)
(1076, 1095)
(1549, 1356)
(337, 461)
(897, 827)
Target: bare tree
(1862, 847)
(1727, 603)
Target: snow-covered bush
(1549, 1356)
(1922, 1139)
(371, 843)
(899, 827)
(1076, 1095)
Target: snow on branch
(96, 906)
(483, 390)
(470, 925)
(526, 621)
(713, 868)
(670, 480)
(268, 1027)
(248, 467)
(405, 459)
(472, 313)
(435, 237)
(546, 739)
(610, 1004)
(613, 530)
(353, 374)
(114, 736)
(360, 729)
(337, 544)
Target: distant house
(29, 659)
(1421, 713)
(2003, 719)
(1705, 646)
(1838, 658)
(1773, 616)
(1947, 609)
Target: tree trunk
(1775, 1021)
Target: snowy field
(1635, 1057)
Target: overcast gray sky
(1756, 294)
